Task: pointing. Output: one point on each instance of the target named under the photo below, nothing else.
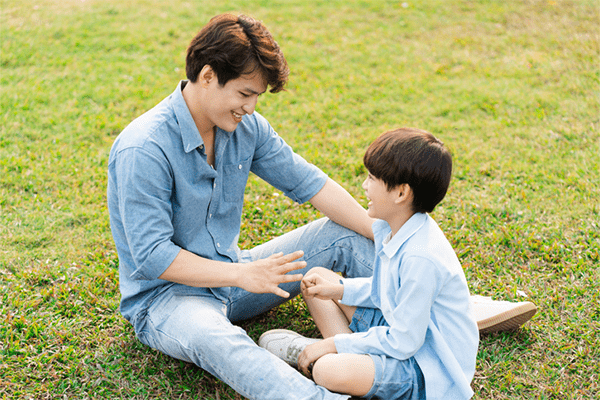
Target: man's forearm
(339, 206)
(260, 276)
(192, 270)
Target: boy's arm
(409, 320)
(340, 207)
(357, 292)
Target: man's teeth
(238, 116)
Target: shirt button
(218, 245)
(240, 166)
(201, 147)
(215, 185)
(209, 215)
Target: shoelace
(294, 351)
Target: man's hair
(414, 157)
(237, 45)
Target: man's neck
(192, 94)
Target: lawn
(512, 87)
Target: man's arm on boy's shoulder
(340, 207)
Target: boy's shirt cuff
(357, 292)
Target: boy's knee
(324, 374)
(319, 271)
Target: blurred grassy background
(511, 87)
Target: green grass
(512, 88)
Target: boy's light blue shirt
(420, 287)
(163, 196)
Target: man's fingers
(291, 256)
(291, 278)
(281, 293)
(285, 268)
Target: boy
(408, 331)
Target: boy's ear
(404, 193)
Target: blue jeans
(191, 324)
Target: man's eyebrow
(254, 91)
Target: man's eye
(244, 94)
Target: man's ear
(206, 75)
(404, 192)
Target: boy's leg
(194, 328)
(352, 374)
(331, 317)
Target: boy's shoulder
(424, 239)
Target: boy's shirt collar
(381, 229)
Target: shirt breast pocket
(235, 177)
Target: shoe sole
(508, 320)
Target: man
(175, 191)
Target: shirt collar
(381, 229)
(190, 135)
(189, 132)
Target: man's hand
(313, 352)
(264, 276)
(314, 285)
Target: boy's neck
(399, 219)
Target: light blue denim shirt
(420, 287)
(163, 196)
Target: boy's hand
(313, 352)
(314, 285)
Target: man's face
(227, 104)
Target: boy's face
(228, 103)
(382, 203)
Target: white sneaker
(285, 344)
(497, 316)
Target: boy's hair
(414, 157)
(236, 45)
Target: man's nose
(250, 106)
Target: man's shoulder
(152, 126)
(254, 124)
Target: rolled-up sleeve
(275, 162)
(144, 184)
